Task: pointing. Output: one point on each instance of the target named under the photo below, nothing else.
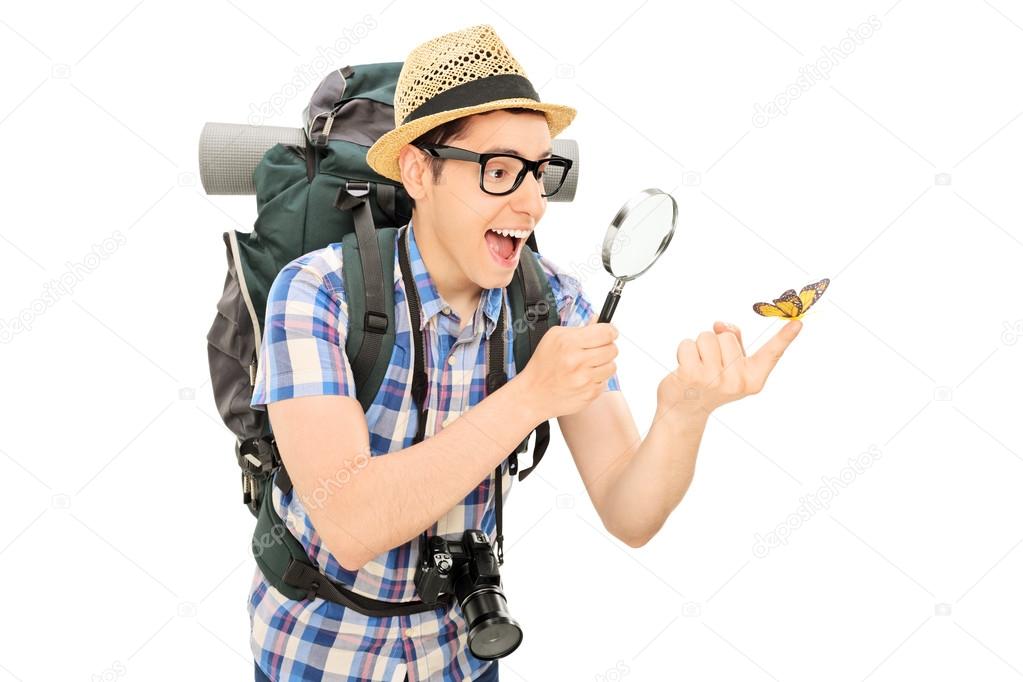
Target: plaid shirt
(302, 354)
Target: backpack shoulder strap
(532, 301)
(368, 273)
(534, 311)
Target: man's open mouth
(506, 246)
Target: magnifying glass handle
(610, 303)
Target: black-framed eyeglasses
(501, 173)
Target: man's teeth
(518, 234)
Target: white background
(124, 549)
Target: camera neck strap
(496, 376)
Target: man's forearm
(654, 481)
(398, 495)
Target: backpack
(307, 197)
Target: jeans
(490, 675)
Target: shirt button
(408, 632)
(452, 360)
(447, 310)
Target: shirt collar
(430, 299)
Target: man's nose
(527, 196)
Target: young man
(461, 90)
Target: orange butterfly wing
(812, 292)
(769, 310)
(791, 305)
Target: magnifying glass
(635, 239)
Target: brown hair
(451, 130)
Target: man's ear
(414, 171)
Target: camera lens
(493, 633)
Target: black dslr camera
(468, 569)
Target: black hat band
(475, 92)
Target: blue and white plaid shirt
(302, 353)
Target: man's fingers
(721, 327)
(599, 333)
(687, 355)
(710, 350)
(731, 348)
(767, 356)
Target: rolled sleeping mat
(230, 152)
(569, 149)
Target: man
(461, 90)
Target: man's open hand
(714, 369)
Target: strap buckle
(495, 380)
(376, 322)
(357, 188)
(257, 457)
(535, 311)
(513, 457)
(351, 194)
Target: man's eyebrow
(508, 150)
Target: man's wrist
(522, 400)
(683, 415)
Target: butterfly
(791, 305)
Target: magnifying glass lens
(638, 241)
(636, 238)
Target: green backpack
(307, 198)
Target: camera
(468, 569)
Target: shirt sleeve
(574, 307)
(302, 351)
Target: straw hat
(454, 75)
